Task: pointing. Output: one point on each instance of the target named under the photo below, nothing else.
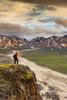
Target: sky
(33, 18)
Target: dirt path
(4, 59)
(52, 85)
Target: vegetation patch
(5, 51)
(55, 60)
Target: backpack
(14, 56)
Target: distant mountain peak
(39, 42)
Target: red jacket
(15, 55)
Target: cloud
(60, 12)
(42, 20)
(46, 7)
(13, 29)
(29, 19)
(45, 2)
(29, 14)
(15, 12)
(62, 22)
(51, 8)
(25, 32)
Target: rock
(18, 82)
(52, 95)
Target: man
(15, 56)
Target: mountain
(51, 42)
(13, 42)
(54, 42)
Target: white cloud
(25, 32)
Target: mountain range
(13, 42)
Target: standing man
(15, 56)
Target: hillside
(13, 42)
(54, 42)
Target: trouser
(16, 61)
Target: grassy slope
(55, 60)
(4, 51)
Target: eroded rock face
(18, 82)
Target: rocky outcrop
(18, 82)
